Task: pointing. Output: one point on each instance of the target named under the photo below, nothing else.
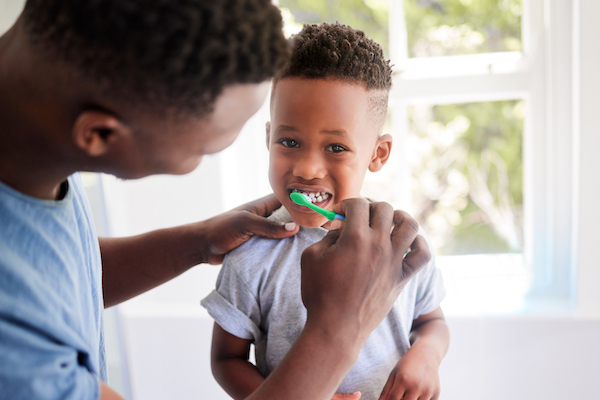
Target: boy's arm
(230, 365)
(232, 370)
(133, 265)
(430, 333)
(416, 374)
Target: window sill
(494, 284)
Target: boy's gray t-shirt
(257, 297)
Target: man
(134, 88)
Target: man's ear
(95, 132)
(268, 129)
(381, 152)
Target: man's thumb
(272, 229)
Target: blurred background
(495, 123)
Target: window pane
(467, 175)
(370, 16)
(453, 27)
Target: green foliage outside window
(467, 174)
(451, 27)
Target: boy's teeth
(313, 197)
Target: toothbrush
(301, 200)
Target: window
(481, 118)
(450, 27)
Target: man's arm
(350, 281)
(133, 265)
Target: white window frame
(543, 75)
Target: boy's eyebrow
(285, 128)
(337, 132)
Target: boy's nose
(310, 167)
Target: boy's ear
(381, 152)
(268, 129)
(95, 132)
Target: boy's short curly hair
(336, 51)
(162, 53)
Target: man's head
(327, 111)
(160, 54)
(145, 87)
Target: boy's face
(321, 141)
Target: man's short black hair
(336, 51)
(162, 53)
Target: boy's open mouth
(313, 197)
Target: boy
(327, 112)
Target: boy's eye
(288, 143)
(335, 148)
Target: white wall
(588, 92)
(167, 335)
(521, 359)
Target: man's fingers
(417, 258)
(403, 235)
(356, 211)
(323, 245)
(382, 217)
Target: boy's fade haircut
(336, 51)
(161, 54)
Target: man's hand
(414, 377)
(133, 265)
(227, 231)
(351, 278)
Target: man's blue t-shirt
(51, 306)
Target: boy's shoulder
(260, 249)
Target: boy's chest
(283, 314)
(282, 311)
